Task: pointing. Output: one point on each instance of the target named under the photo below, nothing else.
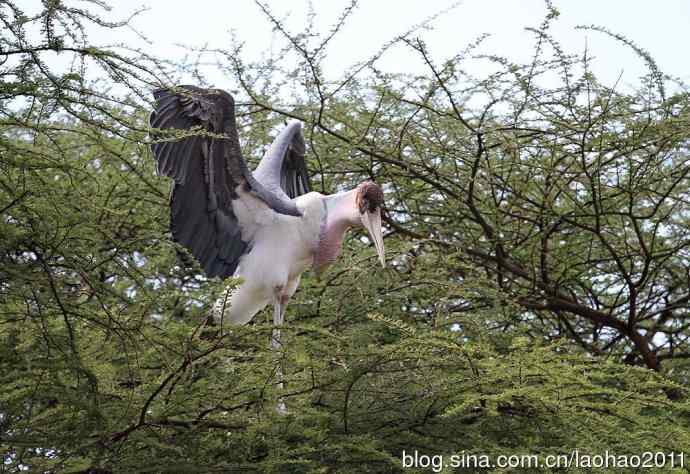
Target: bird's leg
(279, 304)
(278, 313)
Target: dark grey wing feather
(283, 169)
(196, 144)
(294, 177)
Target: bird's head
(369, 200)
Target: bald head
(369, 197)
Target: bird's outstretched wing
(283, 169)
(196, 144)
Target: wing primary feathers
(195, 142)
(189, 160)
(283, 169)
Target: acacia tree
(537, 250)
(570, 195)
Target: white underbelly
(282, 249)
(273, 266)
(275, 258)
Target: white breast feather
(282, 248)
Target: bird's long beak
(372, 222)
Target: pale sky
(662, 27)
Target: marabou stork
(266, 226)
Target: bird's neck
(340, 214)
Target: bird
(266, 227)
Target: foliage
(536, 300)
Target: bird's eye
(364, 205)
(367, 205)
